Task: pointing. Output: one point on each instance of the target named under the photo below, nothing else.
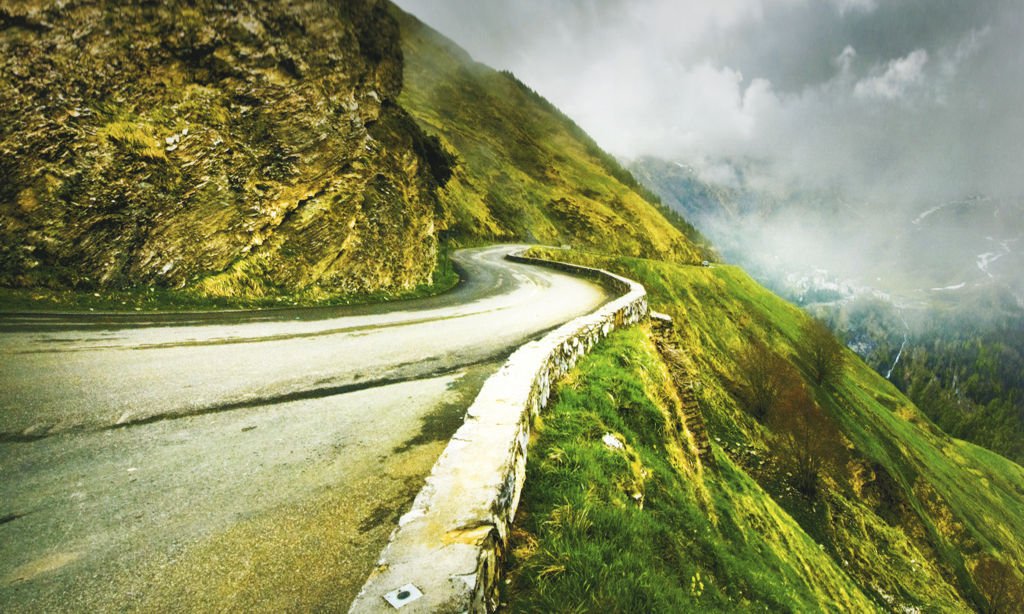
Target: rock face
(249, 150)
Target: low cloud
(847, 6)
(888, 101)
(899, 76)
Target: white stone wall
(450, 546)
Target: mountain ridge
(526, 171)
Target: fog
(871, 111)
(918, 99)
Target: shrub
(822, 351)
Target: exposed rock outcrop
(244, 151)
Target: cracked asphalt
(240, 461)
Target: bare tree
(807, 438)
(822, 351)
(764, 378)
(1000, 585)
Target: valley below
(930, 295)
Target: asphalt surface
(240, 461)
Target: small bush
(765, 377)
(135, 137)
(808, 440)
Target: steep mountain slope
(243, 151)
(262, 152)
(898, 516)
(931, 297)
(525, 171)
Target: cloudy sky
(887, 99)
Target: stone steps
(667, 342)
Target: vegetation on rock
(525, 171)
(251, 151)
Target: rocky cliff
(249, 151)
(268, 150)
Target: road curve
(241, 460)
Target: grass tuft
(136, 137)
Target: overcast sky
(900, 99)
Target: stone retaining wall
(447, 554)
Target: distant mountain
(915, 253)
(679, 187)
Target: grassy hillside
(702, 539)
(524, 171)
(899, 517)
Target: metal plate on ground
(403, 595)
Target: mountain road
(241, 460)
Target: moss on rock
(249, 152)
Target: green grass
(702, 540)
(524, 170)
(907, 517)
(136, 137)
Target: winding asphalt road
(245, 460)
